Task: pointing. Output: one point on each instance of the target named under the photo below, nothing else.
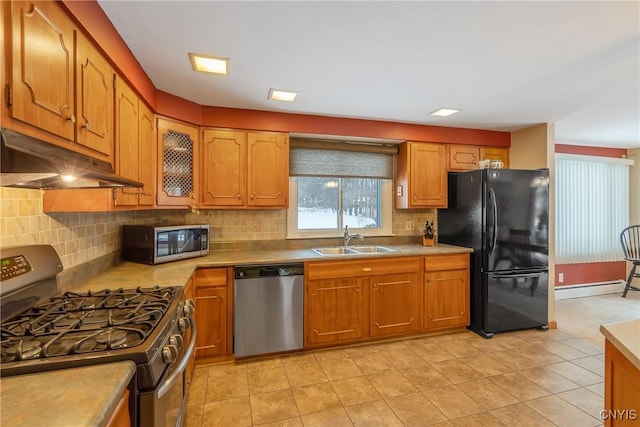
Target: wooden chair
(630, 240)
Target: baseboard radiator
(589, 289)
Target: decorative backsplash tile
(82, 237)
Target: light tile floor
(525, 378)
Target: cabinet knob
(367, 269)
(238, 196)
(86, 126)
(72, 118)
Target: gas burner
(112, 338)
(74, 323)
(20, 350)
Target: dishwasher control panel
(253, 271)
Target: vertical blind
(592, 208)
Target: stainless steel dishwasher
(268, 308)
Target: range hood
(27, 162)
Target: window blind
(592, 208)
(349, 164)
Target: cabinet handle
(367, 269)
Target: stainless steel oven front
(164, 405)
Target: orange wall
(591, 151)
(92, 18)
(596, 271)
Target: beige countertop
(83, 397)
(129, 274)
(625, 336)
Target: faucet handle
(346, 230)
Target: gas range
(43, 329)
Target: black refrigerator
(503, 214)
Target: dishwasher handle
(271, 270)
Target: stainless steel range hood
(27, 162)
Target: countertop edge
(625, 337)
(64, 391)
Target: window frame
(386, 212)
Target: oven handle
(168, 383)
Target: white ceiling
(506, 65)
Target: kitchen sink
(372, 249)
(337, 250)
(352, 250)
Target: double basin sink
(352, 250)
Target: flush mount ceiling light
(282, 95)
(209, 64)
(443, 112)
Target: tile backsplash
(82, 237)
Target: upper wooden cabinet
(495, 153)
(463, 157)
(94, 90)
(178, 164)
(421, 176)
(60, 83)
(135, 147)
(466, 157)
(245, 169)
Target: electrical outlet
(560, 277)
(409, 225)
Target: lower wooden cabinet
(446, 291)
(621, 382)
(335, 310)
(213, 304)
(394, 304)
(348, 301)
(121, 416)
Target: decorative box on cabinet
(446, 291)
(245, 169)
(213, 306)
(421, 176)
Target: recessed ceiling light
(444, 112)
(209, 64)
(282, 95)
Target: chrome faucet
(348, 237)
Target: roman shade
(343, 159)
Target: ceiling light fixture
(444, 112)
(282, 95)
(209, 64)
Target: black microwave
(155, 244)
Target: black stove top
(79, 323)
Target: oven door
(164, 406)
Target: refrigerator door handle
(517, 275)
(494, 205)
